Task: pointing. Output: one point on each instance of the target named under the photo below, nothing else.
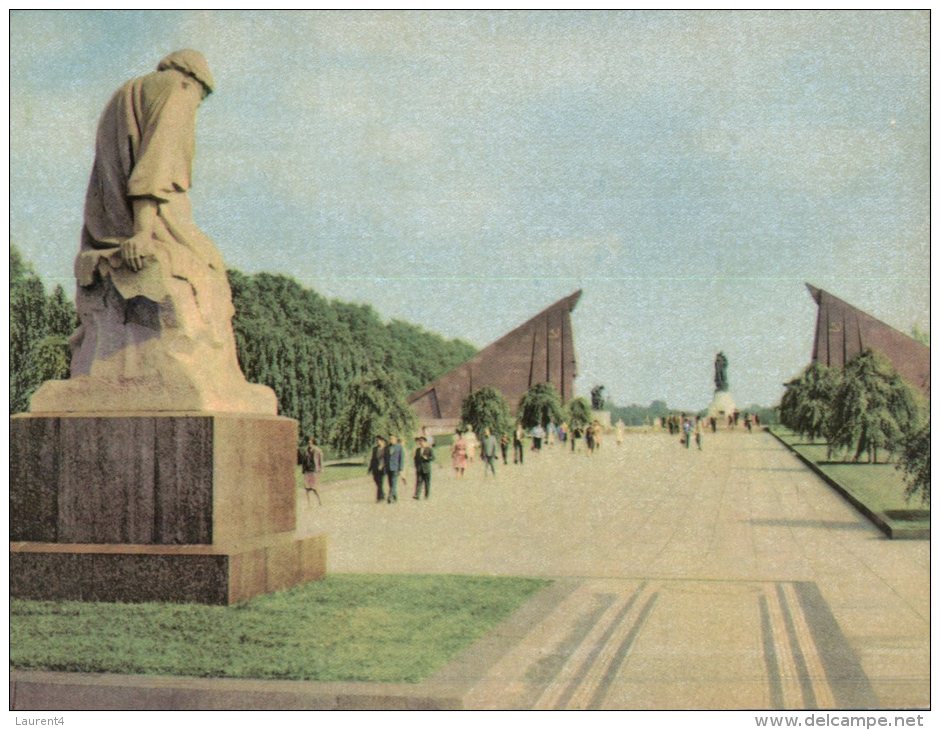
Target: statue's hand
(134, 250)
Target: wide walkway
(726, 578)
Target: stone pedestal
(722, 405)
(191, 507)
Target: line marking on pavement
(558, 693)
(620, 657)
(791, 695)
(770, 654)
(844, 672)
(503, 684)
(813, 663)
(802, 673)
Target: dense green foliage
(915, 463)
(807, 402)
(310, 350)
(486, 408)
(373, 405)
(872, 409)
(368, 628)
(540, 405)
(579, 412)
(40, 326)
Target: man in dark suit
(377, 466)
(394, 463)
(424, 455)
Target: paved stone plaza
(731, 578)
(727, 578)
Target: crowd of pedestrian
(388, 460)
(694, 426)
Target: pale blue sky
(464, 170)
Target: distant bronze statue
(721, 372)
(597, 397)
(153, 298)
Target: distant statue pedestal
(176, 507)
(602, 417)
(722, 405)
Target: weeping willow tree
(806, 405)
(579, 412)
(486, 408)
(873, 409)
(374, 405)
(540, 405)
(915, 463)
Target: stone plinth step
(212, 574)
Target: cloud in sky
(465, 169)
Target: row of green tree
(539, 406)
(637, 415)
(375, 406)
(860, 411)
(309, 350)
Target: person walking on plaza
(619, 432)
(589, 439)
(518, 442)
(395, 462)
(311, 464)
(472, 444)
(687, 431)
(428, 438)
(458, 455)
(377, 465)
(424, 456)
(504, 447)
(598, 430)
(489, 452)
(537, 433)
(575, 437)
(699, 431)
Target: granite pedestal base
(189, 507)
(209, 574)
(722, 405)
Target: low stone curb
(72, 691)
(880, 522)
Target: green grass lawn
(880, 487)
(372, 628)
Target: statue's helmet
(192, 63)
